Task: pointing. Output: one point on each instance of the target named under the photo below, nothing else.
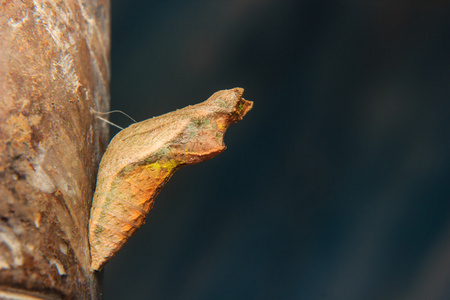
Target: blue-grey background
(336, 184)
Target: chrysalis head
(231, 105)
(208, 124)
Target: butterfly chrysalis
(141, 158)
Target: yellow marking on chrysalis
(168, 166)
(221, 124)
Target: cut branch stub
(141, 158)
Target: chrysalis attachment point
(93, 111)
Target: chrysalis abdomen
(116, 215)
(141, 158)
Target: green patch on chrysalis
(102, 215)
(222, 103)
(127, 169)
(240, 108)
(98, 230)
(161, 153)
(107, 203)
(201, 122)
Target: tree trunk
(54, 67)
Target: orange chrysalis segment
(141, 158)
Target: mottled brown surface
(54, 67)
(141, 159)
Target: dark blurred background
(336, 184)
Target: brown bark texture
(54, 67)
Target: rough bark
(54, 67)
